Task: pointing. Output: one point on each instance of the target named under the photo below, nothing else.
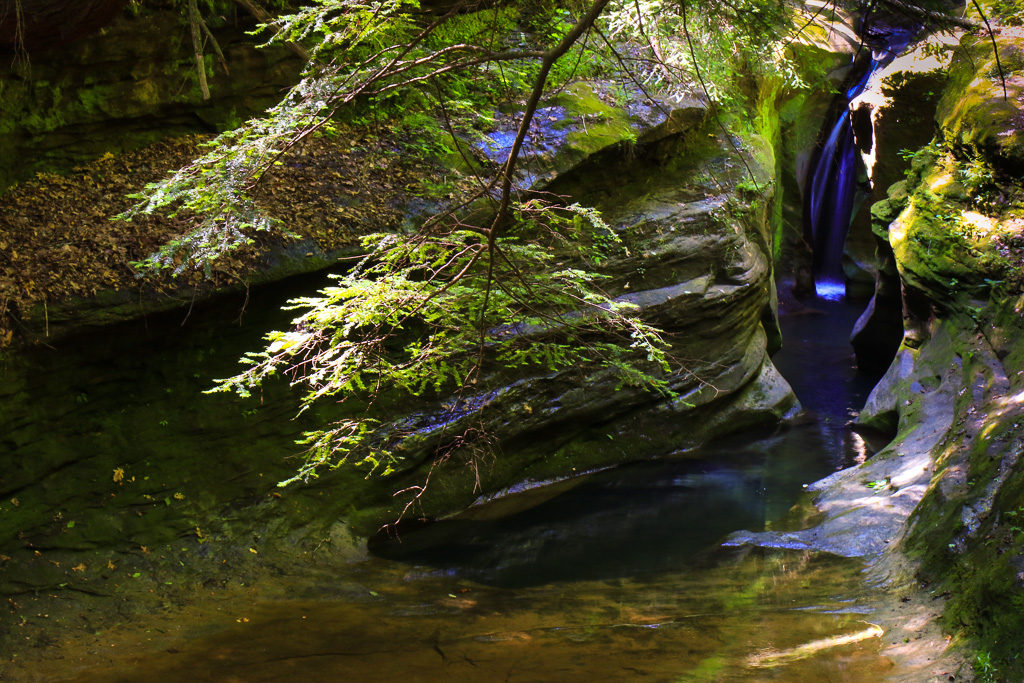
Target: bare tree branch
(995, 47)
(264, 17)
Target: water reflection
(750, 615)
(635, 521)
(819, 364)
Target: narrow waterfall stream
(619, 577)
(833, 184)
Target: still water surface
(619, 577)
(656, 516)
(746, 616)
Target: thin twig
(995, 47)
(216, 47)
(582, 25)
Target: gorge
(144, 520)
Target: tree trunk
(194, 21)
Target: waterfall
(833, 187)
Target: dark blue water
(665, 514)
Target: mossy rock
(586, 118)
(974, 111)
(127, 87)
(943, 245)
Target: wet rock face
(879, 330)
(43, 24)
(899, 108)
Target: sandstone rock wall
(698, 210)
(954, 394)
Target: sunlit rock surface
(698, 263)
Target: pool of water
(618, 577)
(748, 615)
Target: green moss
(602, 125)
(973, 112)
(579, 99)
(940, 246)
(966, 533)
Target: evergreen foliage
(500, 279)
(426, 315)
